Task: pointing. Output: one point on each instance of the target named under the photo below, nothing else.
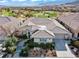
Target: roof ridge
(49, 32)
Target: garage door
(60, 45)
(59, 36)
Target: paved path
(18, 49)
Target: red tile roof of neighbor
(71, 19)
(9, 23)
(2, 31)
(9, 19)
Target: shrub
(31, 45)
(10, 44)
(42, 45)
(11, 41)
(24, 52)
(36, 44)
(11, 49)
(24, 36)
(49, 45)
(75, 44)
(29, 41)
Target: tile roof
(2, 31)
(49, 23)
(71, 19)
(9, 23)
(4, 19)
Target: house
(9, 24)
(43, 35)
(2, 35)
(46, 29)
(70, 21)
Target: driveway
(62, 49)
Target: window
(43, 40)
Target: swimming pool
(34, 2)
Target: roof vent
(42, 28)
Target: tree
(10, 44)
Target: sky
(30, 2)
(22, 2)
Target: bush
(36, 44)
(24, 36)
(10, 44)
(75, 44)
(11, 41)
(24, 52)
(42, 45)
(49, 45)
(29, 41)
(31, 45)
(11, 49)
(46, 46)
(14, 39)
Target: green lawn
(41, 14)
(7, 13)
(45, 14)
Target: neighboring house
(52, 29)
(2, 35)
(10, 24)
(71, 21)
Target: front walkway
(19, 48)
(67, 53)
